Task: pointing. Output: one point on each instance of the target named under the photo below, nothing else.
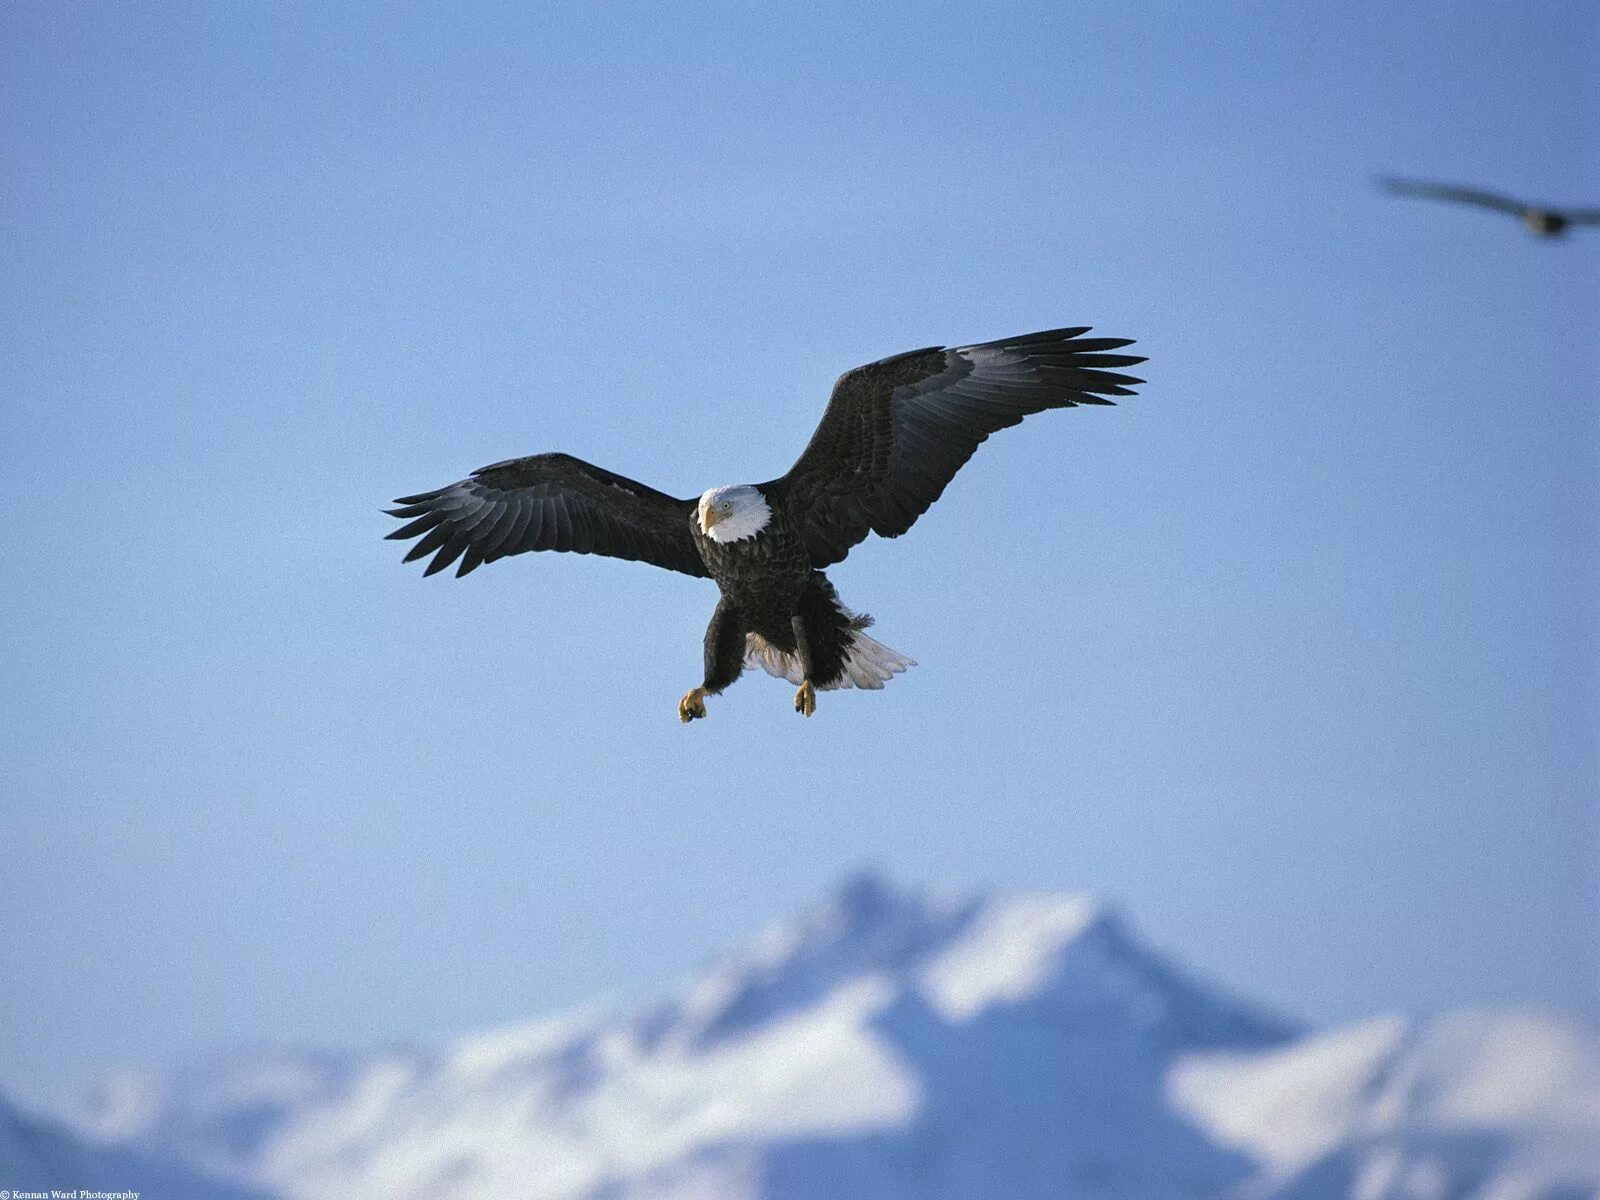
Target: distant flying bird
(894, 434)
(1546, 222)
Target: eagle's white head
(728, 514)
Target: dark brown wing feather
(547, 502)
(1450, 192)
(896, 431)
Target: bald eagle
(1541, 220)
(894, 434)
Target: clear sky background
(1293, 656)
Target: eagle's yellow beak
(708, 518)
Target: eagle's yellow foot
(805, 700)
(692, 705)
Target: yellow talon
(805, 700)
(692, 705)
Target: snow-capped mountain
(890, 1046)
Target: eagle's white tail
(867, 663)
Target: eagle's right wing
(547, 502)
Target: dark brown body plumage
(767, 584)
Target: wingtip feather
(420, 497)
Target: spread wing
(896, 431)
(1583, 216)
(1459, 195)
(547, 502)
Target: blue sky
(1293, 656)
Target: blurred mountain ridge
(892, 1044)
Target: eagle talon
(692, 705)
(805, 700)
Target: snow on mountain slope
(1502, 1106)
(892, 1046)
(38, 1155)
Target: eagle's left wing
(547, 502)
(896, 431)
(1422, 189)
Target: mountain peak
(865, 907)
(960, 956)
(864, 926)
(863, 898)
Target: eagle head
(728, 514)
